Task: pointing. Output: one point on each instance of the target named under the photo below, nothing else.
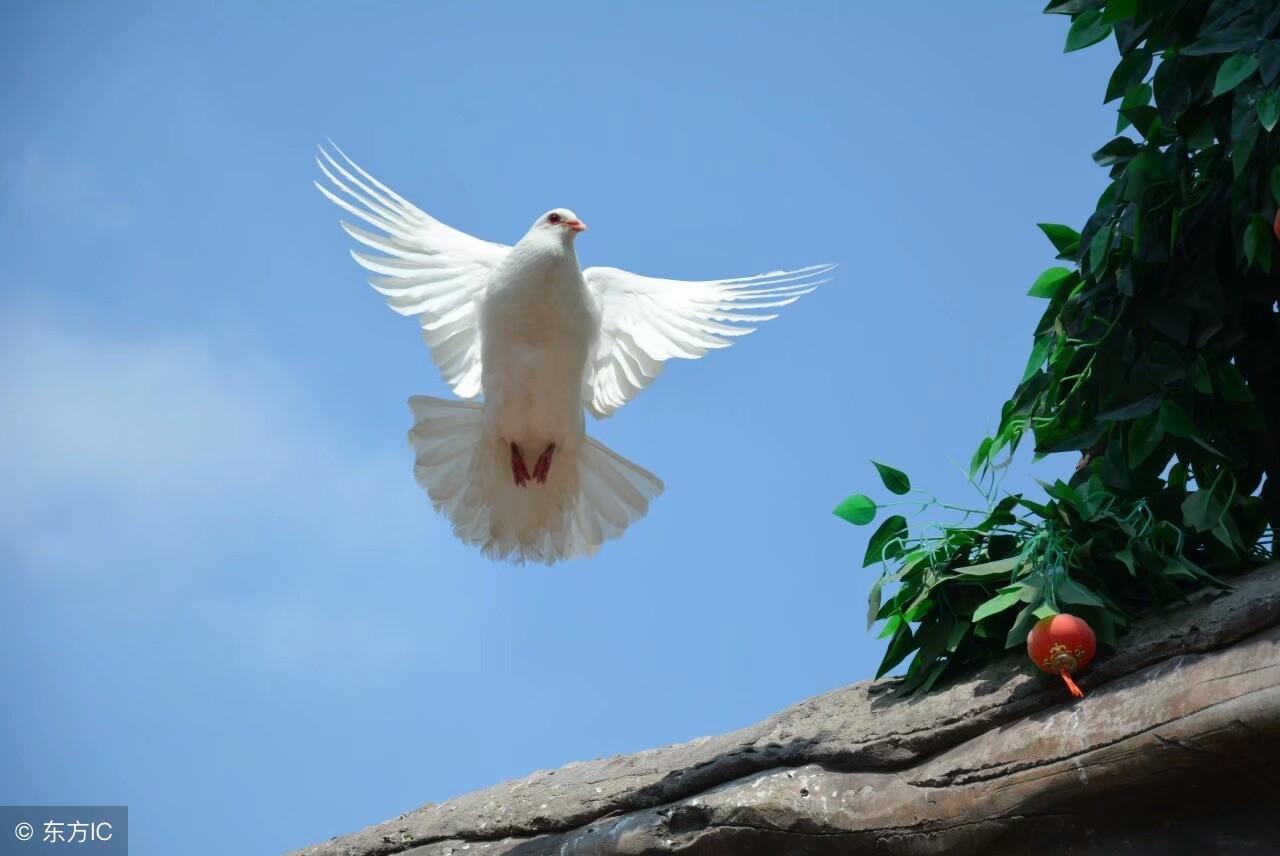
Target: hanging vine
(1157, 361)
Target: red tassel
(1071, 685)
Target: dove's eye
(553, 218)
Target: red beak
(576, 225)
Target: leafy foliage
(1157, 360)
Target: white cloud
(171, 469)
(47, 188)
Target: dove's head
(560, 222)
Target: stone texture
(1175, 747)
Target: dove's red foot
(519, 471)
(543, 467)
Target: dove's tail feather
(590, 496)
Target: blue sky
(224, 602)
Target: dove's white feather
(543, 340)
(428, 269)
(590, 496)
(646, 321)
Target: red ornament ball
(1062, 645)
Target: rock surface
(1174, 750)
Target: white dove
(542, 339)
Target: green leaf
(924, 678)
(919, 609)
(1207, 446)
(1088, 28)
(1147, 169)
(1175, 421)
(1059, 441)
(1050, 282)
(1222, 40)
(1141, 115)
(1069, 7)
(1021, 626)
(1143, 437)
(1114, 468)
(1071, 591)
(931, 677)
(1201, 135)
(998, 568)
(891, 626)
(1043, 611)
(1269, 109)
(910, 561)
(1133, 409)
(859, 509)
(1064, 238)
(1200, 376)
(1119, 149)
(1233, 72)
(1269, 60)
(895, 480)
(1119, 10)
(981, 456)
(1257, 243)
(1031, 588)
(1039, 351)
(1001, 546)
(958, 631)
(873, 604)
(1098, 249)
(1232, 383)
(903, 643)
(1223, 534)
(886, 541)
(1201, 510)
(1105, 628)
(1242, 145)
(1133, 67)
(1137, 96)
(1060, 490)
(1229, 534)
(997, 604)
(926, 663)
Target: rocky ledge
(1175, 749)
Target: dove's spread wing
(429, 269)
(646, 321)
